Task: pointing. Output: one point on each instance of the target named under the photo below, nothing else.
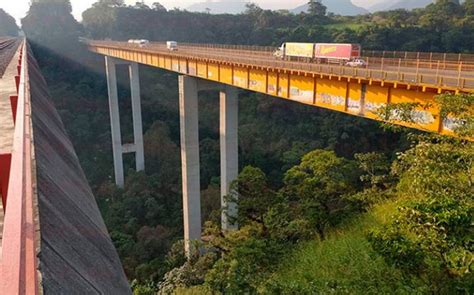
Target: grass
(343, 263)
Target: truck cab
(172, 45)
(280, 52)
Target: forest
(328, 203)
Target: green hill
(344, 263)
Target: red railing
(18, 261)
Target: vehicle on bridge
(357, 63)
(139, 42)
(172, 45)
(344, 54)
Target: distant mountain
(219, 7)
(400, 4)
(342, 7)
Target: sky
(18, 8)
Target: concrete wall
(76, 254)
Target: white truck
(139, 42)
(172, 45)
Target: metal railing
(18, 261)
(231, 47)
(445, 75)
(431, 56)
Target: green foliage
(271, 222)
(252, 194)
(344, 263)
(190, 273)
(316, 8)
(431, 236)
(141, 224)
(459, 111)
(143, 289)
(280, 206)
(50, 24)
(321, 184)
(246, 252)
(376, 178)
(8, 25)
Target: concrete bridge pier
(229, 109)
(189, 119)
(118, 147)
(188, 114)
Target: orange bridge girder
(354, 91)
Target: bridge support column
(117, 146)
(229, 154)
(188, 110)
(110, 66)
(137, 116)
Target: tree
(316, 8)
(321, 184)
(50, 24)
(252, 9)
(253, 195)
(158, 7)
(141, 5)
(8, 25)
(439, 15)
(469, 7)
(110, 3)
(431, 236)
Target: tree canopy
(8, 26)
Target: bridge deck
(354, 91)
(7, 88)
(8, 70)
(447, 74)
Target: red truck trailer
(347, 54)
(337, 52)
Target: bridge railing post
(460, 74)
(5, 165)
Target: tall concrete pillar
(229, 153)
(110, 66)
(118, 148)
(137, 116)
(188, 110)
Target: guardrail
(423, 59)
(231, 47)
(413, 55)
(18, 261)
(386, 72)
(431, 56)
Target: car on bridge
(357, 63)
